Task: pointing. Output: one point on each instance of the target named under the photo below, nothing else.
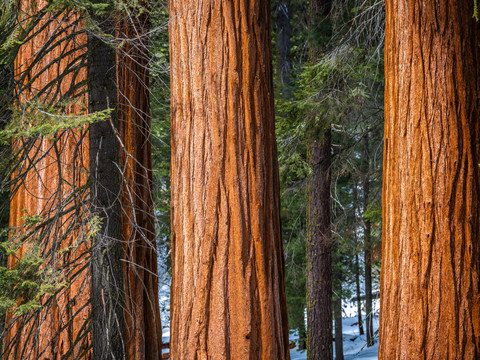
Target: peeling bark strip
(431, 229)
(228, 298)
(143, 336)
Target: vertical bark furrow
(227, 286)
(430, 265)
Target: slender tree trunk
(367, 263)
(228, 298)
(337, 308)
(283, 40)
(359, 294)
(431, 219)
(368, 294)
(319, 252)
(319, 247)
(302, 333)
(107, 274)
(357, 264)
(143, 333)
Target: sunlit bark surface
(143, 327)
(228, 297)
(430, 294)
(56, 171)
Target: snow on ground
(354, 345)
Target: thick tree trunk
(107, 275)
(50, 181)
(337, 308)
(56, 180)
(283, 40)
(367, 263)
(228, 298)
(319, 252)
(143, 336)
(431, 220)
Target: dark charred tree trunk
(284, 35)
(107, 273)
(228, 293)
(431, 189)
(367, 246)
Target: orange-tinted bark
(56, 171)
(51, 334)
(228, 298)
(143, 327)
(430, 294)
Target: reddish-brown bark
(228, 298)
(51, 334)
(430, 294)
(50, 180)
(143, 327)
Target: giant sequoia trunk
(143, 336)
(48, 184)
(52, 183)
(430, 293)
(228, 298)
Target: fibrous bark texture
(319, 252)
(228, 298)
(431, 223)
(52, 182)
(48, 184)
(143, 334)
(107, 273)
